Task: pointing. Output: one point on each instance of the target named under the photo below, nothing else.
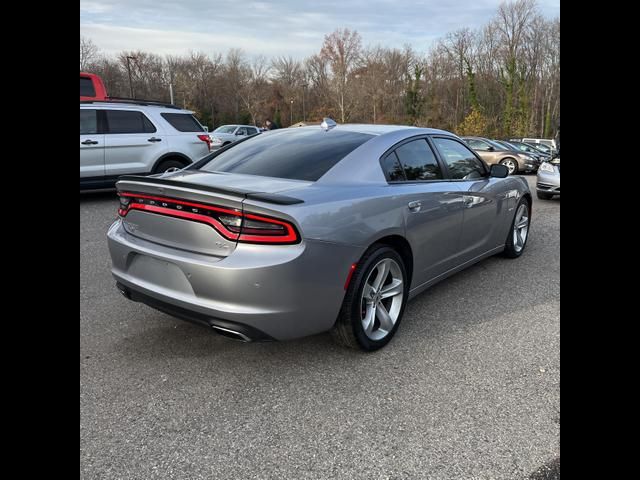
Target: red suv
(91, 87)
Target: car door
(91, 144)
(132, 142)
(433, 216)
(485, 201)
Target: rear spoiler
(260, 196)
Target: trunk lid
(188, 210)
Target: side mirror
(239, 133)
(490, 149)
(498, 171)
(206, 128)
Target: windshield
(498, 145)
(225, 129)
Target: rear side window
(418, 161)
(123, 121)
(300, 154)
(88, 122)
(392, 169)
(183, 122)
(462, 163)
(86, 88)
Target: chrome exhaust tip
(227, 332)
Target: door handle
(414, 206)
(89, 142)
(154, 139)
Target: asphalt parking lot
(468, 389)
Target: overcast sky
(274, 28)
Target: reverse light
(232, 224)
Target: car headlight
(546, 167)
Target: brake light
(206, 139)
(233, 224)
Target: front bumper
(548, 183)
(262, 291)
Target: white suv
(136, 137)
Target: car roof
(379, 129)
(132, 106)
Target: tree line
(500, 80)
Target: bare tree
(342, 50)
(89, 53)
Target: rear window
(86, 88)
(298, 154)
(123, 121)
(183, 122)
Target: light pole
(304, 115)
(129, 71)
(291, 113)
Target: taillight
(206, 139)
(233, 224)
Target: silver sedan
(300, 231)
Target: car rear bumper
(261, 291)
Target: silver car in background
(305, 230)
(548, 181)
(226, 134)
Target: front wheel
(519, 232)
(374, 302)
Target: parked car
(303, 230)
(494, 153)
(548, 181)
(545, 144)
(92, 87)
(136, 137)
(227, 134)
(530, 149)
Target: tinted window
(477, 144)
(122, 121)
(225, 129)
(462, 163)
(299, 154)
(88, 122)
(392, 169)
(183, 122)
(86, 88)
(418, 161)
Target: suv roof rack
(133, 101)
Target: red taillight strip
(290, 237)
(181, 202)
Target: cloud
(285, 27)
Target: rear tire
(360, 306)
(165, 165)
(544, 196)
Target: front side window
(461, 161)
(126, 121)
